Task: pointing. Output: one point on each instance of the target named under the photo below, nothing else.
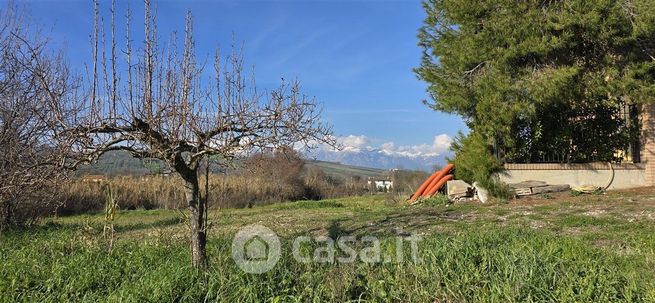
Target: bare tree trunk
(196, 216)
(7, 211)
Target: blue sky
(356, 57)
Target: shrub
(237, 190)
(29, 207)
(474, 161)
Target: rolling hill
(122, 163)
(344, 171)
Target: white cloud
(440, 144)
(352, 143)
(388, 146)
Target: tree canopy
(540, 77)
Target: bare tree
(166, 106)
(28, 149)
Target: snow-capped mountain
(378, 158)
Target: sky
(354, 56)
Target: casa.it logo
(256, 249)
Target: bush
(31, 205)
(27, 146)
(474, 161)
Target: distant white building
(381, 183)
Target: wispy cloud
(259, 41)
(295, 49)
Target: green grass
(308, 205)
(584, 249)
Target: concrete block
(457, 188)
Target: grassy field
(592, 248)
(346, 171)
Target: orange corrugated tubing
(434, 189)
(444, 171)
(424, 186)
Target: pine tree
(536, 78)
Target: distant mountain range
(376, 158)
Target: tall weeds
(233, 191)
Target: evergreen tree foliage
(474, 161)
(541, 77)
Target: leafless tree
(28, 149)
(165, 105)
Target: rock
(527, 184)
(550, 189)
(482, 193)
(527, 188)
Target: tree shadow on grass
(407, 222)
(148, 225)
(403, 223)
(38, 228)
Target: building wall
(648, 146)
(619, 176)
(382, 184)
(624, 175)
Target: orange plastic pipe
(434, 189)
(424, 186)
(444, 171)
